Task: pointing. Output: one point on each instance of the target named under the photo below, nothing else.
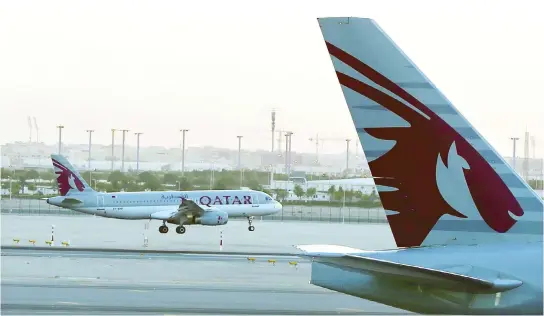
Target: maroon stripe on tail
(410, 166)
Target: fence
(289, 212)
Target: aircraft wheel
(251, 228)
(163, 229)
(180, 230)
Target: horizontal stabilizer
(355, 260)
(71, 200)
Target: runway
(270, 237)
(41, 281)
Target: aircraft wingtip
(326, 250)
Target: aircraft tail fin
(69, 180)
(438, 179)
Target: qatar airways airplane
(209, 208)
(468, 229)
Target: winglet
(327, 250)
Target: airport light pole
(347, 156)
(288, 153)
(514, 139)
(123, 151)
(212, 176)
(112, 146)
(138, 151)
(183, 131)
(60, 127)
(90, 131)
(272, 151)
(240, 159)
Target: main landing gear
(251, 227)
(163, 229)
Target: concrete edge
(196, 252)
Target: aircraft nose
(278, 206)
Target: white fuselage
(140, 205)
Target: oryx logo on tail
(428, 145)
(67, 180)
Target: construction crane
(319, 140)
(281, 134)
(37, 130)
(30, 128)
(316, 139)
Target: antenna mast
(30, 128)
(37, 130)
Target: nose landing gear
(251, 227)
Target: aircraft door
(254, 200)
(100, 205)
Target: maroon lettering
(236, 200)
(205, 200)
(217, 200)
(226, 199)
(247, 199)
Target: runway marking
(142, 291)
(133, 255)
(350, 310)
(70, 303)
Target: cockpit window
(268, 199)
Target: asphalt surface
(42, 281)
(270, 237)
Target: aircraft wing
(354, 259)
(186, 209)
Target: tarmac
(269, 236)
(175, 274)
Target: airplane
(206, 207)
(467, 227)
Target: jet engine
(212, 218)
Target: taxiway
(41, 281)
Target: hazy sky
(219, 67)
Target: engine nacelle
(213, 218)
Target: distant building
(528, 168)
(365, 185)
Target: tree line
(149, 180)
(190, 180)
(336, 197)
